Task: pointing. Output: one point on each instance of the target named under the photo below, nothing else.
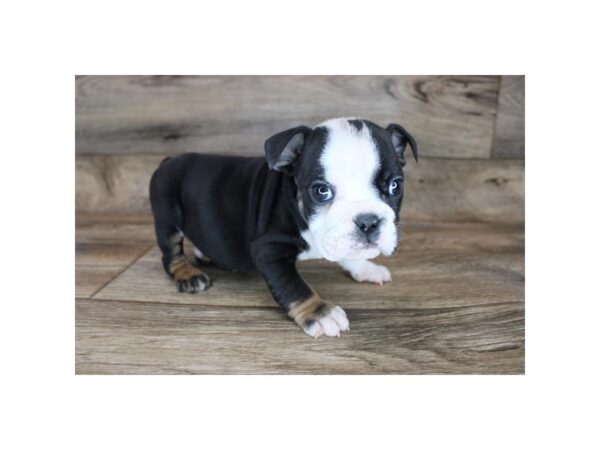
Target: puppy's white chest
(312, 252)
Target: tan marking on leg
(317, 317)
(187, 277)
(309, 309)
(181, 269)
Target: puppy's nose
(368, 224)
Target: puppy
(333, 192)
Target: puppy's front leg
(276, 261)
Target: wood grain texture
(509, 137)
(118, 184)
(455, 305)
(123, 229)
(451, 116)
(469, 190)
(106, 245)
(436, 266)
(98, 263)
(444, 189)
(142, 338)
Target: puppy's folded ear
(283, 149)
(401, 137)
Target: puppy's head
(350, 179)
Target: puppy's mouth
(363, 251)
(351, 250)
(365, 245)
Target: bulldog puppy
(333, 192)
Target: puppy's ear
(282, 150)
(401, 137)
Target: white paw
(371, 273)
(332, 323)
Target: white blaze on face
(351, 161)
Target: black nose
(368, 224)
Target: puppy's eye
(322, 192)
(394, 186)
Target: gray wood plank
(467, 190)
(451, 116)
(509, 137)
(105, 245)
(144, 338)
(98, 263)
(436, 189)
(114, 184)
(105, 228)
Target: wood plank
(144, 338)
(436, 189)
(451, 116)
(114, 228)
(449, 190)
(98, 263)
(117, 184)
(437, 266)
(509, 137)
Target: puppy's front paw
(331, 323)
(317, 317)
(371, 273)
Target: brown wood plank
(105, 245)
(144, 338)
(114, 184)
(114, 228)
(509, 137)
(436, 266)
(448, 190)
(98, 263)
(451, 116)
(436, 189)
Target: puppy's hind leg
(187, 277)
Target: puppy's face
(350, 181)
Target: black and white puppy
(333, 192)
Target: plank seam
(143, 253)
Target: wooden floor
(455, 305)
